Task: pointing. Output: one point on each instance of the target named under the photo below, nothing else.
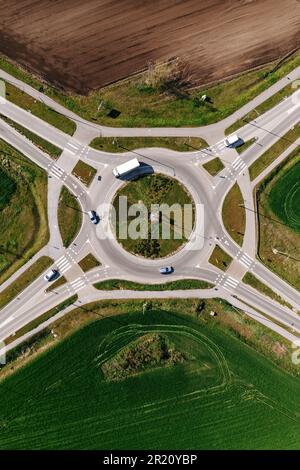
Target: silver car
(166, 270)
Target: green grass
(89, 262)
(273, 152)
(58, 283)
(24, 280)
(23, 210)
(214, 166)
(118, 284)
(233, 214)
(69, 216)
(220, 258)
(84, 172)
(277, 205)
(142, 106)
(154, 189)
(43, 144)
(39, 109)
(245, 146)
(122, 144)
(41, 319)
(218, 399)
(260, 109)
(250, 279)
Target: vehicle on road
(51, 275)
(166, 270)
(126, 168)
(94, 218)
(233, 141)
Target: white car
(94, 218)
(166, 270)
(233, 141)
(51, 275)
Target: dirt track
(86, 44)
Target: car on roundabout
(166, 270)
(94, 218)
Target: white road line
(237, 162)
(230, 282)
(8, 320)
(74, 146)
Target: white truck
(125, 168)
(232, 140)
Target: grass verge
(250, 279)
(39, 109)
(233, 214)
(24, 280)
(122, 144)
(58, 283)
(53, 151)
(245, 146)
(41, 319)
(118, 284)
(69, 216)
(273, 152)
(261, 109)
(213, 167)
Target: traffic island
(154, 216)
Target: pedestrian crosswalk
(230, 282)
(218, 147)
(238, 165)
(57, 172)
(246, 260)
(78, 284)
(75, 148)
(227, 282)
(63, 264)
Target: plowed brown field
(81, 45)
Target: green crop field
(284, 197)
(278, 199)
(224, 396)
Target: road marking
(63, 264)
(230, 281)
(57, 172)
(8, 320)
(246, 260)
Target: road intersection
(207, 191)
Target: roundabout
(190, 257)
